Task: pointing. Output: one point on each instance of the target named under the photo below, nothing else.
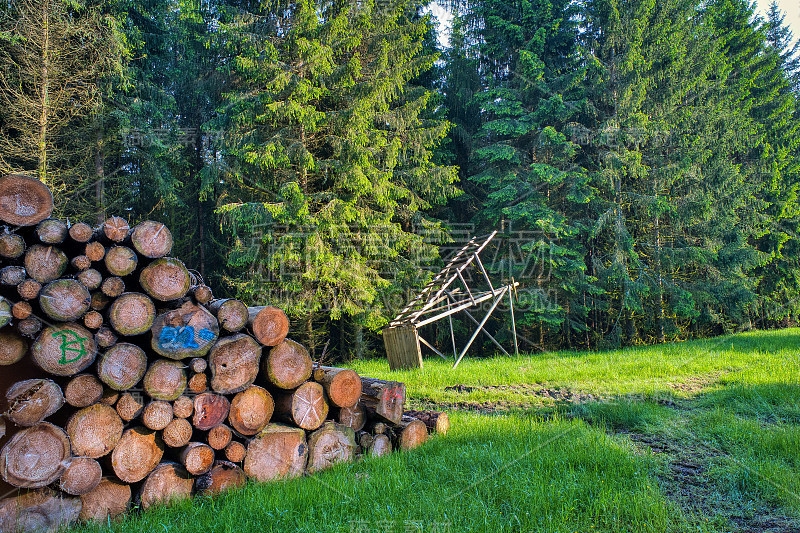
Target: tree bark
(210, 410)
(278, 452)
(24, 201)
(64, 300)
(306, 407)
(33, 400)
(64, 349)
(331, 444)
(136, 455)
(152, 239)
(165, 380)
(165, 279)
(35, 457)
(288, 365)
(269, 324)
(122, 366)
(94, 431)
(251, 410)
(232, 314)
(342, 385)
(234, 363)
(132, 313)
(82, 475)
(383, 399)
(189, 331)
(168, 483)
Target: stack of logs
(154, 390)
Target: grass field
(698, 436)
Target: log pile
(125, 380)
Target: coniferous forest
(639, 158)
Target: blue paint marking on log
(206, 334)
(172, 338)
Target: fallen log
(109, 500)
(32, 400)
(35, 457)
(94, 431)
(278, 452)
(269, 324)
(168, 483)
(331, 444)
(288, 365)
(305, 407)
(189, 331)
(24, 201)
(251, 410)
(234, 363)
(82, 475)
(137, 453)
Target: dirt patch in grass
(535, 390)
(695, 384)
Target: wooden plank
(402, 347)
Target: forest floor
(695, 436)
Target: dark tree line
(316, 155)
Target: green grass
(728, 408)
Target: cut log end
(82, 476)
(165, 380)
(13, 346)
(157, 415)
(168, 483)
(52, 231)
(152, 239)
(64, 349)
(329, 445)
(95, 430)
(165, 279)
(234, 363)
(64, 300)
(306, 407)
(83, 391)
(32, 400)
(210, 410)
(198, 458)
(109, 500)
(137, 453)
(222, 477)
(12, 245)
(24, 201)
(189, 331)
(288, 365)
(35, 457)
(342, 385)
(116, 229)
(178, 433)
(251, 410)
(81, 232)
(278, 452)
(122, 366)
(132, 313)
(270, 325)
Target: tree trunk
(116, 229)
(251, 410)
(165, 380)
(12, 245)
(189, 331)
(121, 261)
(45, 263)
(94, 431)
(83, 390)
(165, 279)
(234, 363)
(136, 455)
(383, 399)
(122, 366)
(278, 452)
(64, 349)
(13, 346)
(331, 444)
(64, 300)
(232, 314)
(35, 457)
(40, 511)
(353, 417)
(411, 433)
(152, 239)
(270, 325)
(157, 415)
(168, 483)
(107, 501)
(82, 475)
(288, 365)
(342, 385)
(33, 400)
(436, 421)
(178, 433)
(129, 406)
(24, 201)
(210, 410)
(132, 313)
(198, 458)
(223, 476)
(306, 407)
(219, 437)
